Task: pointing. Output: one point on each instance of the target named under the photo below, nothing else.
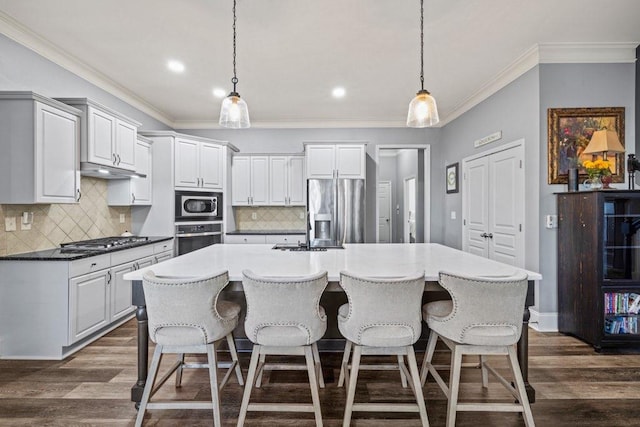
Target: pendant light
(423, 111)
(234, 112)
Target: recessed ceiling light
(175, 66)
(338, 92)
(219, 93)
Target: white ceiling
(291, 53)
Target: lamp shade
(234, 112)
(423, 111)
(603, 141)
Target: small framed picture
(452, 178)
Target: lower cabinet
(262, 238)
(50, 309)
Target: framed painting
(569, 131)
(452, 178)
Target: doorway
(410, 210)
(384, 216)
(395, 165)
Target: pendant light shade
(423, 111)
(234, 112)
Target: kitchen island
(364, 259)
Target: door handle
(490, 235)
(485, 235)
(133, 198)
(79, 195)
(115, 159)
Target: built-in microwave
(198, 206)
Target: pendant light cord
(234, 80)
(421, 44)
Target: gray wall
(291, 140)
(570, 86)
(21, 69)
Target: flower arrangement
(597, 168)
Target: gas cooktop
(102, 243)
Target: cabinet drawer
(286, 238)
(163, 246)
(245, 239)
(89, 265)
(120, 257)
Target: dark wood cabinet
(599, 266)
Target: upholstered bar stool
(186, 316)
(284, 317)
(484, 317)
(382, 317)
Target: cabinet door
(141, 187)
(120, 292)
(211, 166)
(241, 181)
(320, 161)
(278, 194)
(296, 181)
(126, 138)
(244, 239)
(350, 161)
(162, 257)
(186, 169)
(88, 304)
(101, 138)
(259, 180)
(289, 239)
(57, 152)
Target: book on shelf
(621, 325)
(622, 303)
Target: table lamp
(604, 141)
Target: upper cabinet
(198, 165)
(327, 161)
(108, 138)
(137, 190)
(250, 181)
(286, 181)
(39, 138)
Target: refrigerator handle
(336, 201)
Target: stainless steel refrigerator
(335, 212)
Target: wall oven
(190, 237)
(198, 206)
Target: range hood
(107, 172)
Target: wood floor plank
(575, 387)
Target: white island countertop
(362, 259)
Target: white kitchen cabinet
(261, 238)
(250, 181)
(326, 161)
(76, 300)
(88, 304)
(135, 191)
(198, 165)
(40, 139)
(108, 138)
(286, 181)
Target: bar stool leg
(260, 371)
(151, 380)
(454, 385)
(428, 357)
(313, 383)
(180, 360)
(417, 389)
(248, 385)
(351, 393)
(234, 358)
(318, 365)
(344, 367)
(213, 380)
(403, 378)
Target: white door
(506, 206)
(409, 216)
(296, 183)
(210, 166)
(241, 181)
(476, 209)
(186, 169)
(259, 180)
(278, 194)
(493, 200)
(384, 207)
(126, 138)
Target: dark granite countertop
(265, 232)
(59, 254)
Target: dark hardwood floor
(575, 387)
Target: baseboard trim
(543, 322)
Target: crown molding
(31, 40)
(587, 53)
(207, 124)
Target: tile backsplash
(60, 223)
(270, 218)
